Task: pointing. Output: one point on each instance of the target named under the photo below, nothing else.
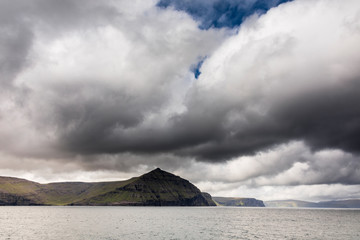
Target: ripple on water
(77, 223)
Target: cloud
(288, 75)
(323, 192)
(99, 87)
(19, 20)
(90, 88)
(285, 165)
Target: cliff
(238, 202)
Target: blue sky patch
(196, 68)
(220, 13)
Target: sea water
(76, 223)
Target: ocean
(76, 223)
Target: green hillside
(70, 192)
(156, 188)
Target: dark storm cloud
(88, 116)
(220, 13)
(15, 42)
(322, 167)
(218, 123)
(18, 19)
(327, 118)
(95, 75)
(180, 132)
(99, 87)
(285, 165)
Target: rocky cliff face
(7, 199)
(15, 191)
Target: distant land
(238, 202)
(351, 203)
(156, 188)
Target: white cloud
(288, 164)
(295, 48)
(323, 192)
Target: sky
(244, 98)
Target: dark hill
(156, 188)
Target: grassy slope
(154, 188)
(57, 193)
(70, 192)
(18, 186)
(139, 192)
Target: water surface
(76, 223)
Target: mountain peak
(161, 188)
(158, 174)
(158, 170)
